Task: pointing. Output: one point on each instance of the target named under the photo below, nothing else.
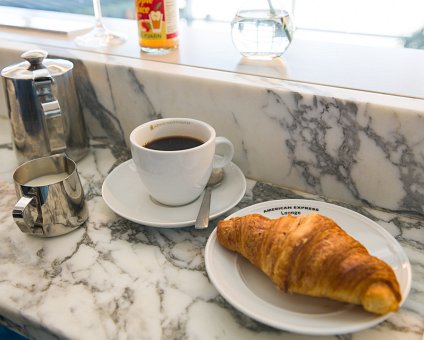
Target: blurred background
(398, 22)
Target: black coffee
(173, 143)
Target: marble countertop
(115, 279)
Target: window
(390, 22)
(112, 8)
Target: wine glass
(99, 36)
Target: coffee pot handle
(53, 119)
(25, 213)
(54, 128)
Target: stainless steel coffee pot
(43, 106)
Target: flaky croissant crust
(312, 255)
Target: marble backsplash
(352, 146)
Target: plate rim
(181, 224)
(212, 242)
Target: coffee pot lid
(36, 60)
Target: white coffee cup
(177, 177)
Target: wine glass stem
(98, 13)
(271, 7)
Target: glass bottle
(262, 29)
(157, 22)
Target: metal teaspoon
(202, 220)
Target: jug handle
(54, 127)
(25, 213)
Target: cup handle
(220, 162)
(23, 214)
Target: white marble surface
(114, 279)
(353, 146)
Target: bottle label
(157, 19)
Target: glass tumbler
(262, 29)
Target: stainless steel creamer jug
(50, 196)
(43, 106)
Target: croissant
(312, 255)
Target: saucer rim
(181, 224)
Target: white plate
(251, 292)
(124, 193)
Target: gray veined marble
(360, 151)
(114, 279)
(345, 150)
(98, 113)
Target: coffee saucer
(124, 193)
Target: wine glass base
(99, 37)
